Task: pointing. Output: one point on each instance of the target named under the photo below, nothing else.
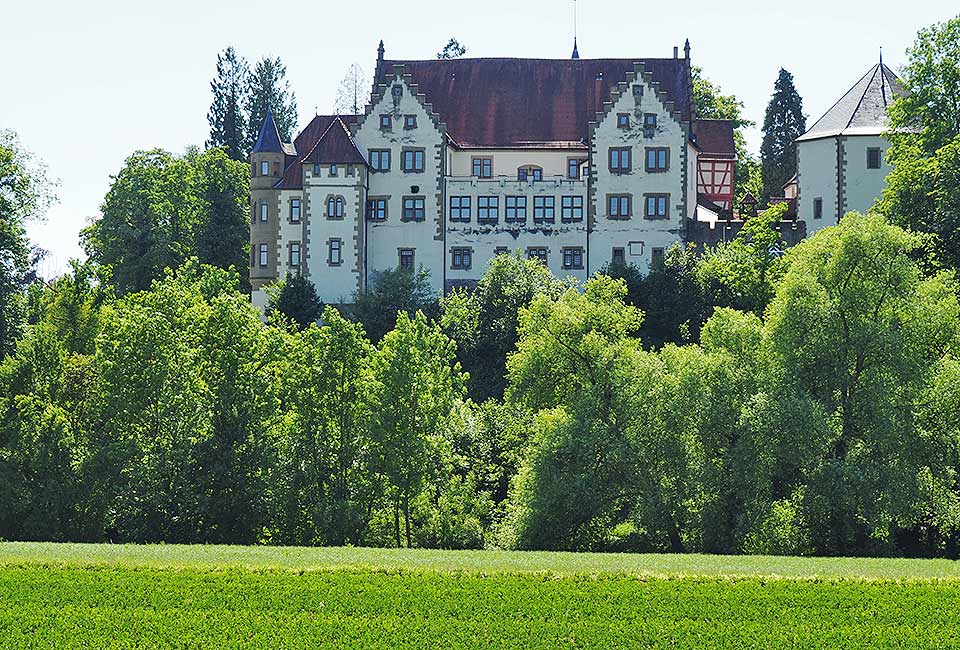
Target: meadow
(125, 596)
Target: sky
(85, 84)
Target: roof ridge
(856, 110)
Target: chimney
(598, 93)
(676, 52)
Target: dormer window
(409, 122)
(386, 122)
(264, 168)
(623, 120)
(530, 172)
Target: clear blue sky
(87, 83)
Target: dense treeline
(822, 422)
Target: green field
(103, 596)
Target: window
(501, 250)
(350, 170)
(873, 158)
(276, 169)
(294, 210)
(658, 159)
(461, 258)
(618, 257)
(530, 173)
(412, 160)
(637, 90)
(818, 208)
(573, 167)
(263, 211)
(316, 169)
(335, 207)
(396, 91)
(649, 121)
(483, 167)
(386, 122)
(623, 120)
(571, 208)
(537, 253)
(516, 209)
(619, 206)
(413, 208)
(544, 208)
(263, 254)
(295, 254)
(264, 168)
(657, 206)
(333, 170)
(656, 257)
(380, 160)
(459, 208)
(620, 160)
(406, 259)
(488, 208)
(409, 121)
(573, 258)
(335, 252)
(376, 209)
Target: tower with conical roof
(266, 168)
(841, 159)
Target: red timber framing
(715, 180)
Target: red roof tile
(335, 146)
(715, 137)
(305, 143)
(510, 102)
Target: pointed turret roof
(863, 110)
(576, 54)
(269, 140)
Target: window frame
(413, 169)
(492, 203)
(624, 203)
(460, 207)
(657, 256)
(381, 154)
(263, 255)
(658, 197)
(409, 122)
(461, 258)
(622, 153)
(373, 207)
(404, 252)
(519, 208)
(295, 246)
(264, 212)
(417, 212)
(567, 212)
(871, 151)
(386, 122)
(618, 252)
(526, 171)
(264, 167)
(532, 253)
(818, 207)
(659, 153)
(295, 210)
(330, 251)
(547, 208)
(485, 169)
(649, 121)
(623, 120)
(574, 163)
(569, 259)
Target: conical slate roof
(863, 110)
(269, 139)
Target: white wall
(817, 165)
(506, 162)
(385, 238)
(863, 186)
(637, 235)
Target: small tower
(266, 158)
(266, 169)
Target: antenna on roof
(881, 56)
(576, 54)
(883, 79)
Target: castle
(577, 162)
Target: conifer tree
(228, 126)
(783, 124)
(269, 88)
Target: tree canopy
(783, 123)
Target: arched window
(530, 173)
(335, 206)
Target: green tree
(418, 382)
(452, 50)
(711, 104)
(870, 342)
(296, 299)
(392, 292)
(329, 485)
(783, 124)
(162, 210)
(25, 194)
(228, 128)
(269, 88)
(484, 321)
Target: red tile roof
(335, 146)
(308, 140)
(517, 102)
(715, 137)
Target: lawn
(104, 596)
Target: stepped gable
(503, 103)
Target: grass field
(102, 596)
